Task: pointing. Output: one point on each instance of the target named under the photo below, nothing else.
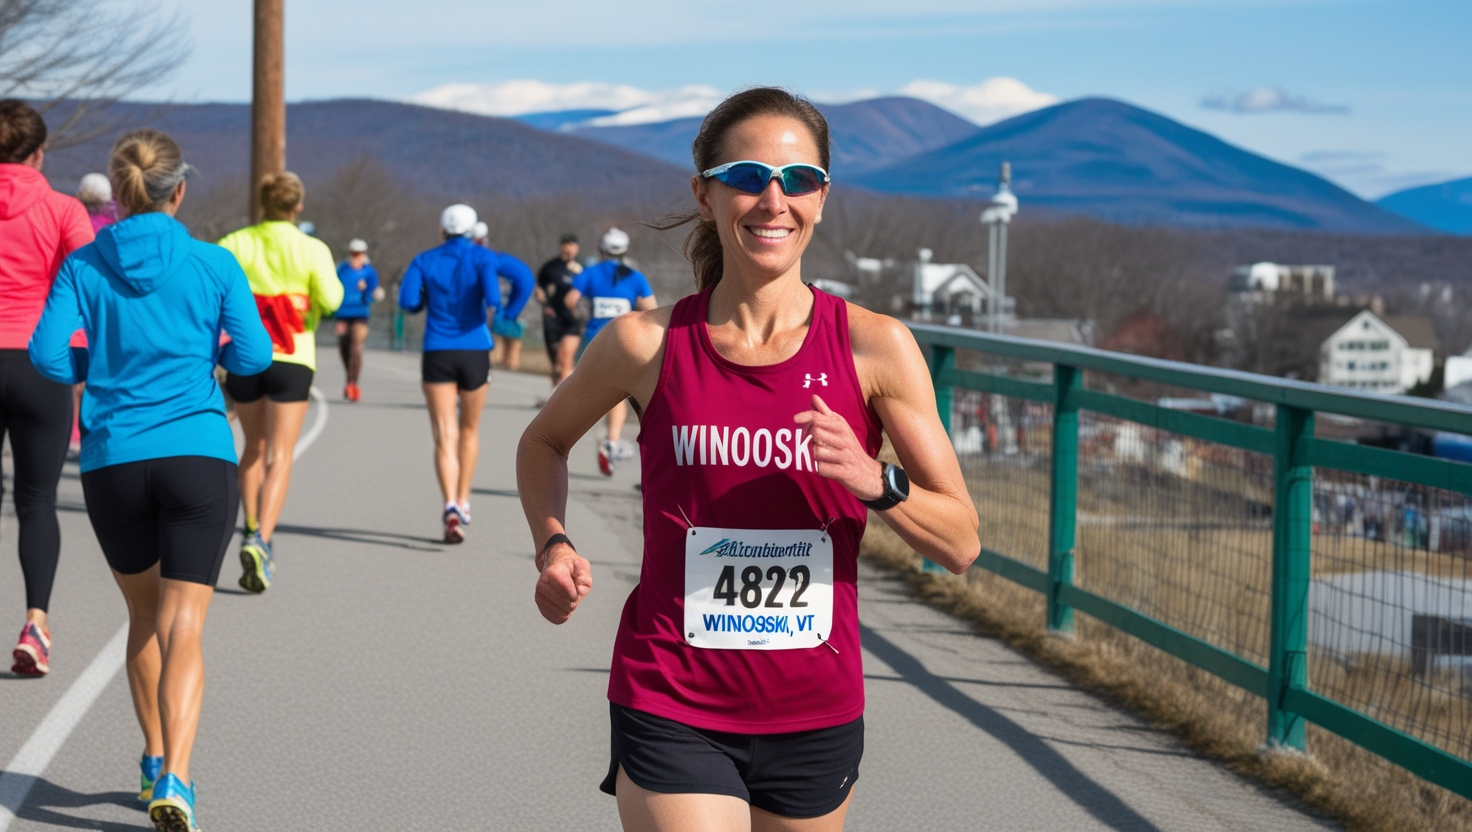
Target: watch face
(899, 482)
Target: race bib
(611, 307)
(757, 589)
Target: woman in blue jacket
(158, 459)
(455, 283)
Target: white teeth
(771, 233)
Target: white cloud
(992, 100)
(632, 105)
(1269, 100)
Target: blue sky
(1374, 94)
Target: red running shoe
(33, 652)
(354, 393)
(453, 532)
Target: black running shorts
(554, 329)
(177, 511)
(466, 369)
(806, 774)
(282, 382)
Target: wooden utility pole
(268, 99)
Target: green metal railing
(1284, 682)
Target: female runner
(38, 229)
(736, 688)
(158, 459)
(295, 283)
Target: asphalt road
(390, 682)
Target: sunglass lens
(749, 178)
(797, 181)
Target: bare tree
(78, 57)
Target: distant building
(1389, 355)
(1277, 283)
(949, 292)
(1458, 369)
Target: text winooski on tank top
(742, 446)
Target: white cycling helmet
(480, 232)
(458, 220)
(357, 246)
(615, 242)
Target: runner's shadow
(390, 539)
(1104, 805)
(496, 492)
(46, 797)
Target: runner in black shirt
(560, 328)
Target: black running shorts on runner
(177, 511)
(554, 329)
(806, 774)
(281, 382)
(466, 369)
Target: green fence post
(941, 358)
(1063, 493)
(398, 343)
(1293, 505)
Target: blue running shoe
(172, 807)
(256, 559)
(463, 509)
(152, 767)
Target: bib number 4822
(753, 588)
(758, 589)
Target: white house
(944, 290)
(1368, 353)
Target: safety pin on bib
(824, 528)
(688, 524)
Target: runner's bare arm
(939, 519)
(623, 361)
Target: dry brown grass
(1141, 566)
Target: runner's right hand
(564, 582)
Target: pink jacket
(38, 229)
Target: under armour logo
(807, 379)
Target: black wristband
(554, 539)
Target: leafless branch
(79, 57)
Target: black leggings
(178, 512)
(37, 414)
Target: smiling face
(763, 235)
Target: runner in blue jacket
(360, 290)
(614, 288)
(158, 458)
(455, 284)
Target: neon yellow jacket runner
(295, 283)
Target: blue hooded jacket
(153, 301)
(457, 282)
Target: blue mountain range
(1445, 207)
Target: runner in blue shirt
(359, 290)
(613, 287)
(456, 283)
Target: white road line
(33, 758)
(18, 778)
(318, 425)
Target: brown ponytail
(281, 195)
(703, 245)
(146, 167)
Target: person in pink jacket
(38, 229)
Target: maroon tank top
(719, 449)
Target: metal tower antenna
(996, 217)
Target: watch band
(892, 496)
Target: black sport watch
(896, 488)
